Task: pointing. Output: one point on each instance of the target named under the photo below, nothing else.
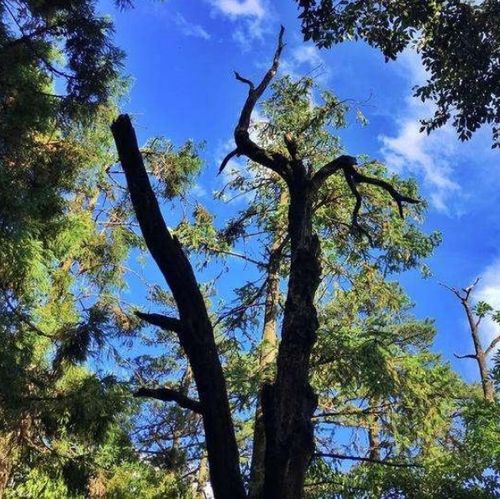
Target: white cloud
(248, 32)
(456, 176)
(425, 156)
(488, 290)
(251, 19)
(430, 157)
(307, 54)
(198, 191)
(240, 8)
(190, 29)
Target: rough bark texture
(7, 449)
(202, 479)
(196, 334)
(290, 402)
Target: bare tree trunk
(266, 362)
(480, 356)
(290, 402)
(195, 329)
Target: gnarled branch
(357, 207)
(244, 144)
(332, 167)
(397, 196)
(169, 395)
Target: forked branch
(244, 144)
(340, 163)
(347, 164)
(397, 196)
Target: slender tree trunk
(202, 479)
(290, 402)
(480, 356)
(266, 362)
(374, 435)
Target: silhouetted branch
(332, 167)
(227, 159)
(162, 321)
(244, 80)
(468, 356)
(169, 395)
(397, 196)
(244, 144)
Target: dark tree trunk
(195, 334)
(290, 402)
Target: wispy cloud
(427, 156)
(191, 29)
(304, 59)
(307, 54)
(250, 17)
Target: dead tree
(289, 402)
(481, 353)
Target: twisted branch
(244, 144)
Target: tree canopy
(458, 40)
(283, 359)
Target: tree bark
(196, 334)
(480, 356)
(290, 402)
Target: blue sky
(181, 56)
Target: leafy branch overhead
(458, 41)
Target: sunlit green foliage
(68, 240)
